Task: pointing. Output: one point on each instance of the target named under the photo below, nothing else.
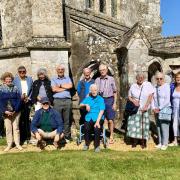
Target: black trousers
(2, 132)
(88, 130)
(24, 123)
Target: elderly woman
(162, 108)
(175, 100)
(94, 118)
(10, 100)
(41, 88)
(140, 94)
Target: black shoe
(41, 144)
(134, 145)
(143, 144)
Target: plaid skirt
(138, 126)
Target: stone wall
(16, 22)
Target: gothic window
(102, 5)
(113, 8)
(89, 3)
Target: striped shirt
(106, 85)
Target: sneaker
(85, 148)
(19, 148)
(173, 144)
(33, 142)
(68, 140)
(97, 149)
(158, 146)
(164, 147)
(7, 148)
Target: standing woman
(41, 88)
(10, 100)
(162, 108)
(140, 94)
(175, 96)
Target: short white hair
(102, 66)
(61, 66)
(140, 74)
(86, 69)
(159, 74)
(93, 86)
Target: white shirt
(163, 96)
(24, 87)
(135, 90)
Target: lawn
(89, 165)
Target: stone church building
(125, 34)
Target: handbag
(130, 107)
(166, 112)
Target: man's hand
(97, 125)
(88, 108)
(38, 137)
(144, 109)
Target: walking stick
(142, 130)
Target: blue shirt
(83, 88)
(96, 105)
(57, 81)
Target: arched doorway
(153, 68)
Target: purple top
(107, 86)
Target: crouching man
(94, 105)
(47, 124)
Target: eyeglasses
(159, 78)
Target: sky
(170, 13)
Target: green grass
(89, 165)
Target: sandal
(111, 141)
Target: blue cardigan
(55, 119)
(13, 96)
(17, 83)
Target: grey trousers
(163, 131)
(64, 107)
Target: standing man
(108, 90)
(24, 85)
(61, 86)
(83, 90)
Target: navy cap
(45, 100)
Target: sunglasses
(46, 103)
(159, 78)
(22, 71)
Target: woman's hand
(136, 102)
(156, 110)
(97, 125)
(9, 113)
(88, 108)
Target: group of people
(51, 99)
(163, 100)
(53, 106)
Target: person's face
(103, 71)
(22, 73)
(45, 105)
(140, 79)
(87, 74)
(60, 71)
(160, 80)
(94, 91)
(8, 81)
(41, 76)
(177, 79)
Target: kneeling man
(47, 124)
